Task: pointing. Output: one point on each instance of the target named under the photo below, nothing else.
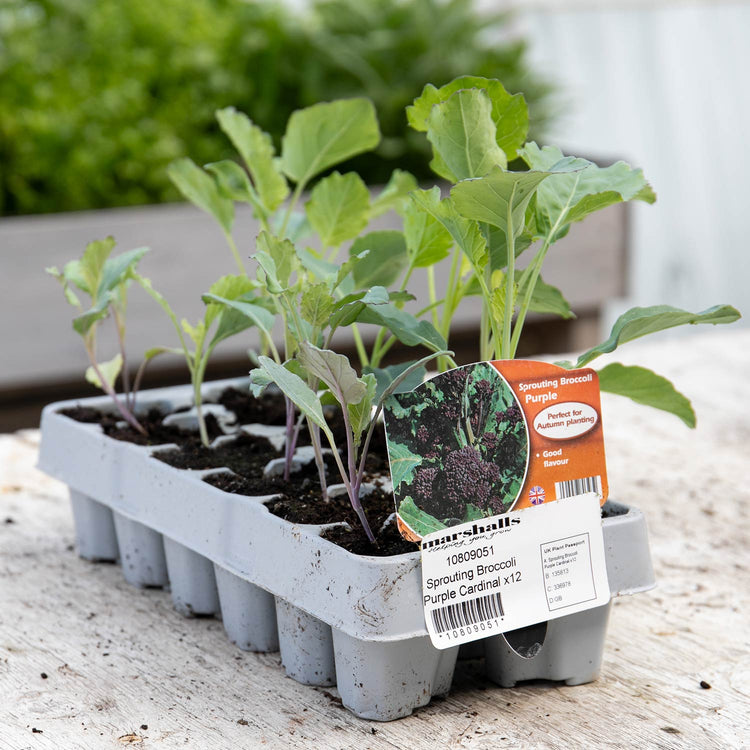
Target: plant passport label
(497, 574)
(481, 440)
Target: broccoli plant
(312, 294)
(105, 280)
(492, 215)
(360, 399)
(219, 322)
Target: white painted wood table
(86, 661)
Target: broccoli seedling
(105, 280)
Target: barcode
(463, 614)
(574, 487)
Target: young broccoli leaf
(395, 194)
(338, 209)
(316, 304)
(641, 321)
(202, 191)
(427, 240)
(109, 370)
(384, 376)
(545, 297)
(361, 412)
(404, 326)
(385, 260)
(646, 387)
(464, 232)
(335, 371)
(326, 134)
(463, 136)
(583, 189)
(297, 391)
(234, 183)
(509, 111)
(257, 151)
(283, 255)
(492, 198)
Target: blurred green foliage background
(99, 96)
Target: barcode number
(471, 612)
(574, 487)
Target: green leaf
(570, 196)
(641, 321)
(86, 273)
(404, 326)
(386, 375)
(257, 315)
(316, 304)
(395, 194)
(319, 267)
(417, 520)
(202, 191)
(267, 273)
(384, 262)
(338, 208)
(509, 111)
(490, 198)
(335, 371)
(296, 389)
(117, 270)
(109, 371)
(233, 182)
(403, 463)
(465, 233)
(646, 387)
(361, 412)
(463, 135)
(82, 323)
(427, 240)
(232, 286)
(326, 134)
(546, 298)
(257, 151)
(283, 254)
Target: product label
(497, 574)
(480, 440)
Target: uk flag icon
(536, 495)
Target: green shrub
(98, 97)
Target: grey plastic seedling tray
(337, 618)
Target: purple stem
(355, 480)
(289, 444)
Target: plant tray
(337, 618)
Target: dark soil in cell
(296, 491)
(269, 408)
(157, 433)
(244, 454)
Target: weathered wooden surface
(123, 668)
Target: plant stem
(235, 253)
(124, 370)
(292, 203)
(314, 431)
(359, 344)
(199, 372)
(288, 443)
(535, 269)
(107, 388)
(510, 242)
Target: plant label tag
(483, 439)
(497, 574)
